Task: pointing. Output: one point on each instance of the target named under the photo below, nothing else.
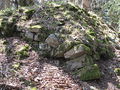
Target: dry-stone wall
(64, 31)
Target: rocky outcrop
(64, 31)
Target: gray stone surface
(76, 51)
(52, 40)
(76, 63)
(29, 35)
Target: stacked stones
(67, 31)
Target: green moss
(44, 33)
(86, 48)
(91, 32)
(96, 56)
(16, 65)
(6, 12)
(23, 18)
(89, 60)
(89, 72)
(24, 48)
(61, 49)
(23, 52)
(36, 26)
(72, 7)
(117, 71)
(29, 13)
(60, 23)
(8, 27)
(33, 88)
(90, 37)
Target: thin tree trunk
(42, 1)
(86, 4)
(2, 4)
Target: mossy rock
(90, 72)
(77, 51)
(62, 48)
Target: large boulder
(76, 63)
(52, 40)
(77, 51)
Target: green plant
(23, 52)
(6, 12)
(117, 71)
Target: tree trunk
(1, 4)
(7, 3)
(86, 4)
(42, 1)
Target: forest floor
(48, 74)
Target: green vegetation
(22, 52)
(34, 88)
(117, 71)
(16, 65)
(112, 13)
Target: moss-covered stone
(90, 72)
(62, 48)
(77, 51)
